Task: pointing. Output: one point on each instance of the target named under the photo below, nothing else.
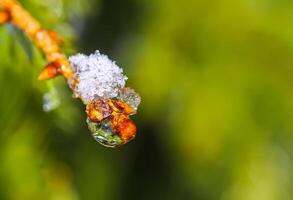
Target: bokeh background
(216, 118)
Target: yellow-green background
(216, 118)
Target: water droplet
(130, 97)
(50, 100)
(103, 133)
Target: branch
(108, 103)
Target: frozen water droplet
(103, 133)
(129, 96)
(50, 100)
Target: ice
(129, 96)
(50, 100)
(103, 133)
(97, 75)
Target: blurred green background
(216, 118)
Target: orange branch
(48, 41)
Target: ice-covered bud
(97, 76)
(100, 83)
(129, 96)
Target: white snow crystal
(98, 76)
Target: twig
(102, 110)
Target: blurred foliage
(216, 115)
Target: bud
(121, 107)
(4, 17)
(98, 110)
(52, 70)
(124, 127)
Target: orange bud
(124, 127)
(4, 17)
(50, 71)
(94, 115)
(121, 107)
(98, 110)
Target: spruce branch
(95, 79)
